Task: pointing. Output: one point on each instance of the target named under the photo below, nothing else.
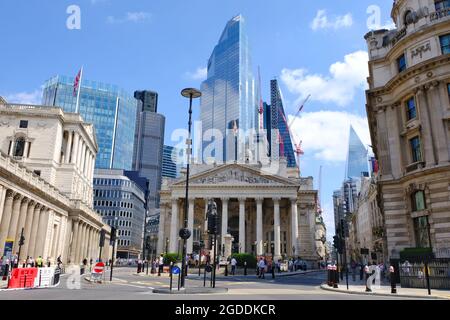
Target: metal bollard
(226, 270)
(245, 268)
(335, 278)
(393, 281)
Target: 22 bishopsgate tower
(228, 105)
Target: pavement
(384, 290)
(126, 286)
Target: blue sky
(312, 47)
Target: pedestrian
(39, 262)
(48, 262)
(261, 268)
(59, 261)
(233, 266)
(161, 265)
(353, 266)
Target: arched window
(19, 147)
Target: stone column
(76, 235)
(190, 241)
(426, 138)
(259, 226)
(224, 221)
(82, 243)
(34, 230)
(54, 249)
(28, 226)
(26, 148)
(161, 230)
(79, 152)
(69, 147)
(90, 243)
(2, 201)
(75, 149)
(6, 219)
(21, 223)
(173, 227)
(294, 225)
(436, 115)
(42, 232)
(277, 227)
(242, 242)
(15, 219)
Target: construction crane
(298, 146)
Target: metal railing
(413, 275)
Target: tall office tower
(228, 102)
(119, 198)
(148, 145)
(357, 160)
(276, 126)
(170, 164)
(110, 109)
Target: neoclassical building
(409, 116)
(46, 170)
(257, 211)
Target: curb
(326, 288)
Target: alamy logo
(74, 20)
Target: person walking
(39, 262)
(161, 265)
(233, 266)
(261, 268)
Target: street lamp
(185, 232)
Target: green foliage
(245, 257)
(171, 257)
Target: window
(411, 109)
(448, 90)
(23, 124)
(418, 201)
(445, 43)
(441, 4)
(422, 232)
(37, 172)
(19, 148)
(415, 149)
(401, 63)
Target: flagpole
(77, 109)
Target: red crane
(298, 146)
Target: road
(127, 286)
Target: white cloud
(325, 133)
(338, 87)
(199, 74)
(33, 98)
(322, 21)
(135, 17)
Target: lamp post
(185, 232)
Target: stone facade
(256, 211)
(409, 116)
(367, 225)
(46, 168)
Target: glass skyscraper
(229, 94)
(148, 145)
(275, 119)
(357, 160)
(170, 166)
(110, 109)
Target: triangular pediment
(235, 175)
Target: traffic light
(102, 238)
(113, 235)
(212, 224)
(22, 240)
(212, 218)
(336, 242)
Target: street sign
(176, 270)
(98, 268)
